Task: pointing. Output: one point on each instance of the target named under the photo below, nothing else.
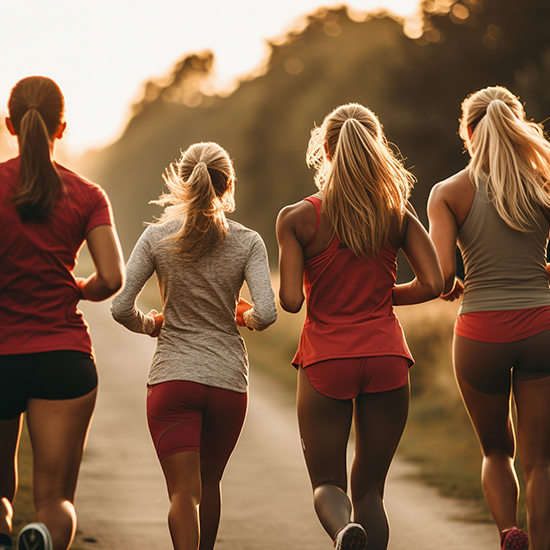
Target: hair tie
(33, 107)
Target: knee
(373, 494)
(328, 488)
(533, 468)
(499, 451)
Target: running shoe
(514, 539)
(34, 536)
(351, 537)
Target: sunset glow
(101, 52)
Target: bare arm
(443, 231)
(422, 257)
(108, 260)
(291, 261)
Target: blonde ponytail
(365, 187)
(201, 189)
(508, 152)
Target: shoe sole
(34, 536)
(354, 538)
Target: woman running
(498, 210)
(352, 360)
(46, 361)
(197, 387)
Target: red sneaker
(514, 539)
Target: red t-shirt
(38, 291)
(349, 306)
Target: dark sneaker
(34, 536)
(351, 537)
(514, 539)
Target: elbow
(438, 287)
(112, 284)
(116, 311)
(267, 320)
(437, 284)
(291, 305)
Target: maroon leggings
(187, 416)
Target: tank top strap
(316, 201)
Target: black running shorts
(46, 375)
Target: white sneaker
(351, 537)
(34, 536)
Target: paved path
(121, 497)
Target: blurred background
(145, 79)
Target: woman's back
(504, 268)
(38, 292)
(200, 339)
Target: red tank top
(349, 305)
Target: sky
(100, 52)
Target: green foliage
(415, 86)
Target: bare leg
(324, 427)
(491, 418)
(183, 480)
(210, 506)
(58, 431)
(380, 419)
(10, 431)
(533, 403)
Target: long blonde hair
(509, 152)
(364, 184)
(36, 108)
(202, 189)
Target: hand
(456, 292)
(80, 285)
(159, 320)
(242, 306)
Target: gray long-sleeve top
(199, 340)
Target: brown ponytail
(36, 108)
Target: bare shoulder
(296, 214)
(299, 220)
(455, 193)
(456, 186)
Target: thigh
(533, 416)
(533, 361)
(182, 474)
(223, 420)
(175, 416)
(58, 430)
(485, 367)
(324, 425)
(379, 421)
(491, 418)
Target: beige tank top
(505, 269)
